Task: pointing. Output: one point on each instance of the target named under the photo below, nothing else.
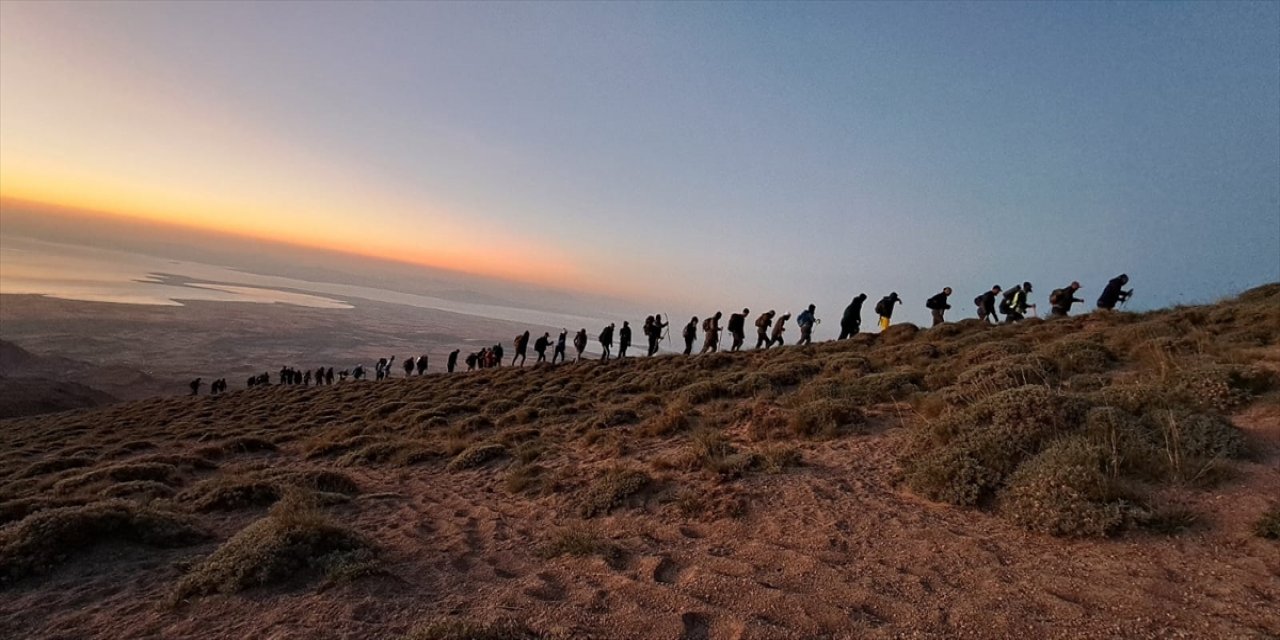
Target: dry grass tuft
(294, 538)
(610, 490)
(45, 539)
(476, 455)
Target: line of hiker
(1013, 304)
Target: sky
(706, 155)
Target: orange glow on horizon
(48, 197)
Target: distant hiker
(1060, 300)
(342, 375)
(938, 305)
(655, 336)
(264, 379)
(251, 382)
(884, 309)
(408, 367)
(1114, 292)
(284, 376)
(806, 320)
(1013, 303)
(306, 378)
(380, 369)
(580, 342)
(606, 341)
(986, 304)
(213, 388)
(472, 360)
(711, 333)
(358, 372)
(690, 334)
(452, 362)
(497, 355)
(319, 376)
(624, 339)
(195, 387)
(559, 353)
(737, 328)
(851, 321)
(328, 376)
(762, 328)
(540, 346)
(422, 364)
(522, 348)
(779, 326)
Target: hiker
(328, 375)
(408, 366)
(806, 321)
(342, 375)
(606, 341)
(253, 380)
(422, 364)
(938, 305)
(195, 387)
(851, 321)
(762, 328)
(690, 334)
(522, 348)
(655, 333)
(1060, 300)
(306, 379)
(358, 372)
(624, 339)
(496, 352)
(452, 362)
(559, 353)
(986, 303)
(737, 328)
(884, 309)
(778, 327)
(711, 333)
(1114, 292)
(580, 342)
(540, 346)
(473, 359)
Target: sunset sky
(772, 154)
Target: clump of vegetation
(145, 489)
(1268, 526)
(672, 419)
(968, 455)
(122, 472)
(294, 538)
(580, 542)
(248, 444)
(899, 333)
(1074, 356)
(611, 490)
(1223, 387)
(476, 455)
(231, 493)
(1011, 372)
(43, 540)
(54, 465)
(824, 418)
(1067, 491)
(19, 508)
(525, 478)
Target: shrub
(248, 444)
(824, 418)
(581, 543)
(322, 480)
(992, 351)
(675, 417)
(44, 539)
(1066, 491)
(966, 456)
(610, 490)
(122, 472)
(1268, 526)
(19, 508)
(231, 493)
(1073, 356)
(525, 478)
(983, 380)
(293, 538)
(147, 489)
(1224, 388)
(476, 455)
(700, 392)
(899, 333)
(55, 464)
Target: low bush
(45, 539)
(1067, 491)
(826, 418)
(476, 455)
(294, 538)
(611, 490)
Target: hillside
(1104, 476)
(43, 383)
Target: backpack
(881, 306)
(978, 301)
(1055, 298)
(762, 322)
(706, 324)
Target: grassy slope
(393, 493)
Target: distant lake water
(78, 272)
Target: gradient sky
(705, 154)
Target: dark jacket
(937, 302)
(736, 322)
(853, 314)
(1111, 294)
(987, 302)
(885, 306)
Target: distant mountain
(33, 396)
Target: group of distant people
(1013, 304)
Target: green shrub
(1066, 491)
(46, 538)
(610, 490)
(983, 380)
(476, 455)
(290, 540)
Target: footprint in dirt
(667, 571)
(696, 626)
